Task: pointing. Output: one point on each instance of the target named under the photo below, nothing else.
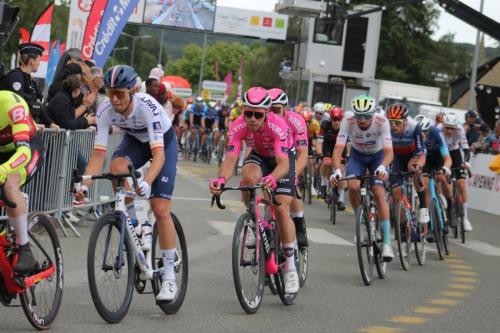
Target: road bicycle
(305, 185)
(458, 208)
(40, 292)
(115, 259)
(257, 252)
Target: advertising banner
(92, 27)
(114, 18)
(41, 36)
(78, 14)
(483, 187)
(267, 25)
(138, 12)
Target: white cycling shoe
(291, 282)
(168, 291)
(423, 216)
(387, 254)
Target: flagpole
(202, 65)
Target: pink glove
(270, 181)
(219, 182)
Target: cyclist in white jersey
(149, 136)
(371, 149)
(455, 139)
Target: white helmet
(380, 110)
(425, 123)
(451, 120)
(319, 107)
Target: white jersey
(369, 142)
(147, 122)
(457, 140)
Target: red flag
(92, 28)
(41, 35)
(25, 35)
(229, 81)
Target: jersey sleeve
(235, 136)
(464, 144)
(386, 134)
(102, 127)
(343, 132)
(443, 148)
(281, 133)
(157, 125)
(419, 141)
(300, 139)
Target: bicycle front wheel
(435, 230)
(333, 206)
(180, 267)
(364, 247)
(41, 301)
(403, 235)
(111, 279)
(443, 226)
(248, 264)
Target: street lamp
(134, 40)
(118, 49)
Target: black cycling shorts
(433, 161)
(456, 163)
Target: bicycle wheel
(380, 264)
(418, 233)
(248, 264)
(41, 301)
(111, 284)
(308, 179)
(443, 227)
(279, 278)
(403, 235)
(364, 247)
(435, 231)
(303, 264)
(460, 225)
(180, 268)
(333, 205)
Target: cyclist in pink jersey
(298, 130)
(271, 161)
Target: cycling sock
(288, 248)
(324, 181)
(465, 209)
(297, 214)
(386, 232)
(341, 195)
(132, 212)
(169, 263)
(421, 199)
(20, 225)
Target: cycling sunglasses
(336, 119)
(257, 115)
(276, 109)
(363, 116)
(119, 93)
(395, 121)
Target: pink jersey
(298, 129)
(271, 140)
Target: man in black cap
(19, 80)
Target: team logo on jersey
(230, 148)
(157, 127)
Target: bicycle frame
(435, 200)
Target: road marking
(453, 293)
(452, 255)
(322, 236)
(225, 228)
(461, 286)
(408, 320)
(443, 301)
(455, 266)
(429, 310)
(190, 198)
(464, 279)
(379, 329)
(480, 247)
(456, 261)
(465, 273)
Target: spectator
(70, 69)
(483, 143)
(495, 140)
(95, 83)
(471, 126)
(440, 120)
(152, 86)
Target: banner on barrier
(483, 187)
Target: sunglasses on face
(276, 109)
(119, 93)
(363, 117)
(250, 114)
(395, 121)
(336, 119)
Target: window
(330, 28)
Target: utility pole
(473, 76)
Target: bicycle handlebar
(216, 197)
(76, 179)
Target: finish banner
(114, 18)
(92, 28)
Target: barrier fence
(49, 190)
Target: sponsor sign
(484, 186)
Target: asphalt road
(459, 294)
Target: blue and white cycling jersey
(435, 142)
(199, 112)
(410, 143)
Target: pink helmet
(278, 96)
(257, 97)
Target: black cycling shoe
(26, 262)
(299, 231)
(323, 192)
(340, 206)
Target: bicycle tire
(435, 231)
(286, 299)
(442, 232)
(181, 267)
(303, 260)
(420, 242)
(40, 228)
(333, 207)
(112, 222)
(364, 249)
(403, 237)
(308, 185)
(380, 264)
(246, 224)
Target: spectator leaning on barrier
(96, 83)
(483, 142)
(471, 126)
(56, 86)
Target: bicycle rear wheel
(364, 247)
(403, 236)
(41, 301)
(380, 264)
(248, 264)
(435, 230)
(333, 206)
(111, 284)
(180, 267)
(443, 226)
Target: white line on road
(322, 236)
(478, 246)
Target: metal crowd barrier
(49, 190)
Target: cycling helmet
(278, 96)
(425, 123)
(239, 103)
(397, 111)
(257, 97)
(336, 112)
(328, 107)
(190, 100)
(380, 110)
(319, 107)
(363, 105)
(212, 104)
(451, 120)
(120, 76)
(199, 99)
(307, 115)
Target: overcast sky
(447, 23)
